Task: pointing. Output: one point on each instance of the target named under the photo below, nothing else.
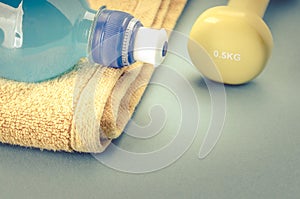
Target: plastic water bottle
(41, 39)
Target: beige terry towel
(85, 109)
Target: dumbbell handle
(256, 6)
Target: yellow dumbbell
(236, 39)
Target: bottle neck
(256, 6)
(83, 27)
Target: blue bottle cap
(112, 38)
(118, 39)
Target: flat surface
(257, 155)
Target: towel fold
(86, 108)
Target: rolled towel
(85, 109)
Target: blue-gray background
(257, 156)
